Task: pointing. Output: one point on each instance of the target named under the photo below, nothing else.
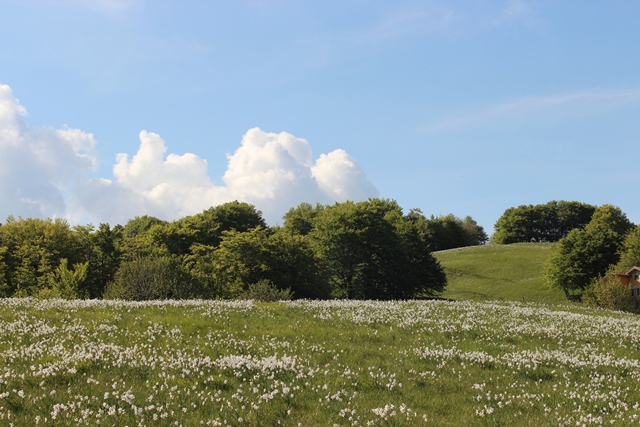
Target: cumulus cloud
(272, 171)
(341, 178)
(39, 167)
(44, 173)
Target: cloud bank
(44, 173)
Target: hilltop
(498, 272)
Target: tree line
(548, 222)
(364, 250)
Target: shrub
(66, 283)
(610, 293)
(264, 290)
(151, 278)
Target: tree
(246, 258)
(584, 255)
(449, 232)
(159, 238)
(371, 251)
(301, 219)
(629, 251)
(570, 215)
(474, 233)
(101, 249)
(33, 249)
(610, 293)
(424, 276)
(4, 273)
(140, 225)
(67, 283)
(580, 257)
(151, 278)
(541, 223)
(207, 227)
(445, 232)
(613, 218)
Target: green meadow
(316, 363)
(498, 272)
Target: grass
(306, 363)
(498, 272)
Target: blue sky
(449, 106)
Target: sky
(111, 109)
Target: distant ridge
(498, 272)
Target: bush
(265, 290)
(610, 293)
(66, 283)
(151, 278)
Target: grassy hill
(498, 272)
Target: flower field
(315, 363)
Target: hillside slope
(493, 272)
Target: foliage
(610, 293)
(629, 251)
(149, 236)
(353, 250)
(32, 249)
(207, 227)
(4, 272)
(613, 218)
(586, 254)
(265, 291)
(67, 283)
(541, 223)
(140, 225)
(423, 275)
(150, 279)
(285, 260)
(301, 219)
(474, 233)
(449, 231)
(102, 249)
(372, 252)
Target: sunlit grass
(346, 363)
(498, 272)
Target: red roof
(628, 273)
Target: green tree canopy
(372, 252)
(205, 228)
(101, 249)
(152, 278)
(449, 231)
(301, 219)
(246, 258)
(586, 254)
(613, 218)
(541, 223)
(629, 251)
(31, 250)
(140, 225)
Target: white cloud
(44, 173)
(38, 166)
(272, 171)
(341, 178)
